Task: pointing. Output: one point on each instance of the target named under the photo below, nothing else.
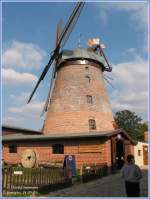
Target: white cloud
(137, 10)
(12, 77)
(104, 17)
(132, 74)
(12, 121)
(23, 55)
(131, 83)
(21, 114)
(130, 52)
(31, 110)
(22, 98)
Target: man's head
(130, 159)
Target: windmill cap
(82, 54)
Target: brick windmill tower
(77, 100)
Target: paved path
(110, 186)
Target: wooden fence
(94, 172)
(28, 180)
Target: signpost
(18, 172)
(70, 163)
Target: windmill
(63, 96)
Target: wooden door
(145, 155)
(113, 150)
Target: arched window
(86, 68)
(58, 149)
(89, 99)
(88, 79)
(92, 124)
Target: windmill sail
(61, 42)
(70, 24)
(52, 80)
(51, 86)
(109, 82)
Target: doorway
(145, 155)
(119, 154)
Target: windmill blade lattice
(109, 82)
(52, 80)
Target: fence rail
(25, 180)
(94, 171)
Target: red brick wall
(44, 152)
(69, 111)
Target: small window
(88, 78)
(89, 99)
(12, 149)
(139, 152)
(58, 149)
(92, 124)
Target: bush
(92, 172)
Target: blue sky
(28, 38)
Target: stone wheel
(28, 158)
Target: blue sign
(70, 163)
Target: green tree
(131, 123)
(143, 128)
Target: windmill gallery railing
(26, 180)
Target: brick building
(88, 148)
(79, 120)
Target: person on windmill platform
(132, 175)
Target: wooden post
(81, 172)
(4, 183)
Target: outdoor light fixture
(119, 137)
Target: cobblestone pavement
(110, 186)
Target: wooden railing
(25, 180)
(92, 172)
